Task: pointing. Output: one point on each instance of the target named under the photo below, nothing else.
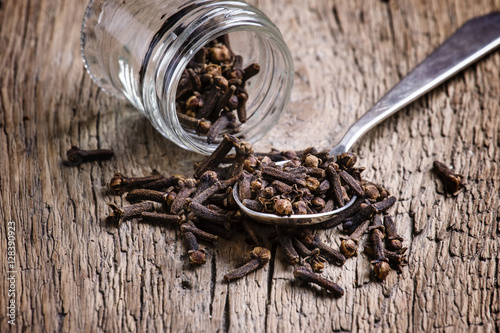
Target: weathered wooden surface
(75, 274)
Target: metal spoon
(473, 40)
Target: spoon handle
(472, 41)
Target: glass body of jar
(139, 49)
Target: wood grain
(75, 274)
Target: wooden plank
(75, 274)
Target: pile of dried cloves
(211, 97)
(203, 208)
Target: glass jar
(139, 49)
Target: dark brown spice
(308, 276)
(277, 174)
(335, 185)
(364, 213)
(250, 71)
(290, 255)
(250, 229)
(206, 180)
(186, 188)
(453, 182)
(212, 90)
(241, 107)
(349, 246)
(312, 257)
(394, 241)
(203, 207)
(260, 256)
(397, 259)
(219, 230)
(196, 255)
(312, 241)
(205, 195)
(118, 215)
(380, 263)
(161, 184)
(121, 183)
(253, 205)
(206, 236)
(201, 126)
(77, 156)
(384, 204)
(244, 188)
(147, 195)
(340, 217)
(351, 182)
(283, 206)
(160, 218)
(228, 142)
(347, 160)
(220, 125)
(209, 215)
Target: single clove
(196, 255)
(77, 156)
(312, 257)
(308, 276)
(121, 183)
(290, 255)
(313, 241)
(349, 246)
(394, 241)
(187, 187)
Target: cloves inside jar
(193, 68)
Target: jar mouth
(253, 37)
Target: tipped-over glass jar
(145, 50)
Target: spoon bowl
(472, 41)
(290, 220)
